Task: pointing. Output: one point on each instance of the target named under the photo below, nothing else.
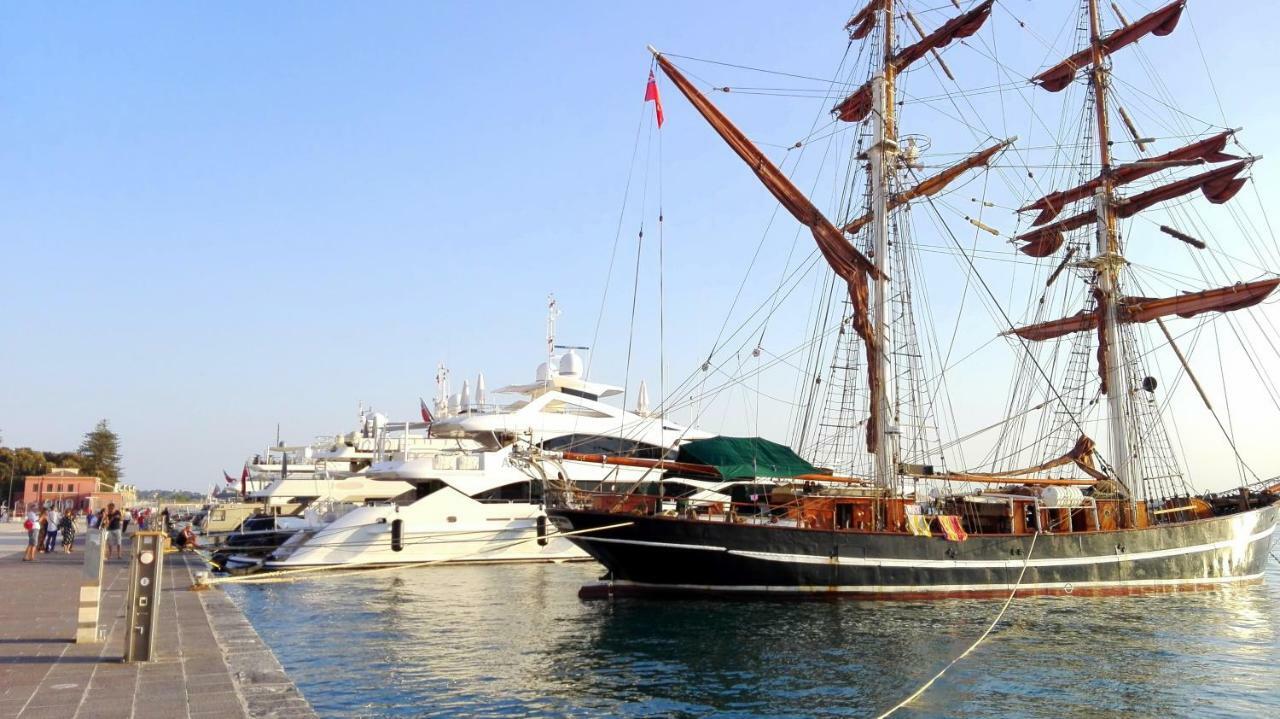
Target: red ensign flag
(651, 93)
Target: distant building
(65, 488)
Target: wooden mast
(1108, 263)
(881, 158)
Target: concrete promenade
(209, 660)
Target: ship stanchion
(1026, 562)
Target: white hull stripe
(1012, 563)
(665, 545)
(1066, 587)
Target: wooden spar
(882, 157)
(1208, 150)
(1158, 22)
(708, 471)
(1138, 139)
(934, 51)
(691, 467)
(1185, 365)
(934, 183)
(1184, 237)
(1029, 481)
(1110, 354)
(659, 464)
(1146, 309)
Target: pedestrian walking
(67, 528)
(51, 536)
(44, 529)
(113, 520)
(32, 525)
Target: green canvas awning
(745, 457)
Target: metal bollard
(145, 575)
(90, 589)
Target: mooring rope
(286, 575)
(916, 694)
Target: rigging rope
(924, 687)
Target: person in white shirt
(32, 525)
(51, 537)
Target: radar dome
(571, 364)
(543, 374)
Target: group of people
(44, 527)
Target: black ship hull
(669, 555)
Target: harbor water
(514, 640)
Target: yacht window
(602, 444)
(524, 491)
(673, 489)
(559, 406)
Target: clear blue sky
(217, 217)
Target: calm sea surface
(502, 641)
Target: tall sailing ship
(1113, 517)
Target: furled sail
(861, 24)
(1217, 185)
(1080, 455)
(857, 106)
(932, 185)
(1160, 22)
(1207, 150)
(1145, 309)
(957, 27)
(845, 259)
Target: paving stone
(209, 659)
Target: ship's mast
(1108, 263)
(881, 157)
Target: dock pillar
(90, 589)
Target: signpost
(90, 589)
(145, 575)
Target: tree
(16, 465)
(100, 454)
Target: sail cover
(961, 26)
(857, 106)
(845, 260)
(1217, 185)
(1160, 22)
(861, 24)
(1207, 150)
(1145, 309)
(933, 184)
(745, 457)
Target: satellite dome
(570, 364)
(543, 374)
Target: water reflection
(515, 641)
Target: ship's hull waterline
(668, 555)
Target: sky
(217, 218)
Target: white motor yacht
(473, 502)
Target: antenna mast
(553, 311)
